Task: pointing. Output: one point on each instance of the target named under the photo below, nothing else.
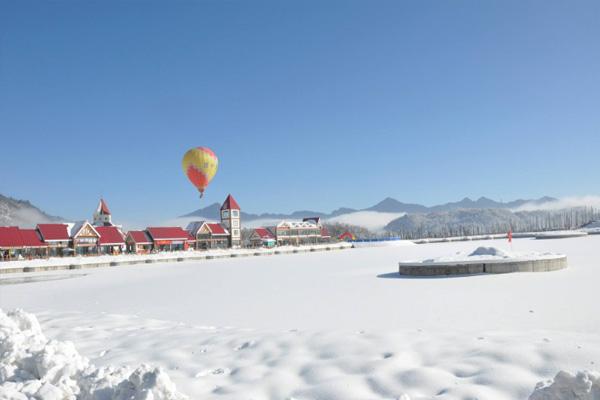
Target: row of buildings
(101, 236)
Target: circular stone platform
(480, 264)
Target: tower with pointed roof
(230, 219)
(102, 215)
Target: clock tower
(230, 219)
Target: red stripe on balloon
(197, 177)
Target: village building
(209, 235)
(112, 240)
(261, 237)
(138, 242)
(33, 246)
(296, 232)
(16, 243)
(325, 236)
(316, 220)
(102, 216)
(57, 237)
(10, 242)
(84, 238)
(170, 238)
(231, 221)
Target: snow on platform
(332, 325)
(484, 260)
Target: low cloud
(566, 202)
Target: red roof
(110, 235)
(103, 208)
(53, 232)
(191, 238)
(139, 237)
(264, 233)
(347, 236)
(10, 236)
(31, 238)
(217, 229)
(230, 204)
(324, 232)
(167, 233)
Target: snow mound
(33, 367)
(490, 251)
(583, 386)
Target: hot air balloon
(200, 166)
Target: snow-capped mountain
(374, 218)
(22, 213)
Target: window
(225, 213)
(235, 213)
(236, 232)
(235, 223)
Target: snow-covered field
(332, 325)
(161, 256)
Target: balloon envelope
(200, 166)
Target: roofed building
(10, 242)
(231, 220)
(297, 232)
(102, 216)
(169, 238)
(16, 243)
(209, 235)
(112, 240)
(262, 237)
(325, 236)
(84, 238)
(138, 242)
(33, 246)
(57, 237)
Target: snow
(383, 243)
(584, 385)
(490, 251)
(487, 254)
(372, 220)
(105, 259)
(31, 366)
(559, 234)
(332, 325)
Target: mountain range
(387, 205)
(22, 213)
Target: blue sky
(308, 104)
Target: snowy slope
(22, 213)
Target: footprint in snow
(217, 371)
(244, 345)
